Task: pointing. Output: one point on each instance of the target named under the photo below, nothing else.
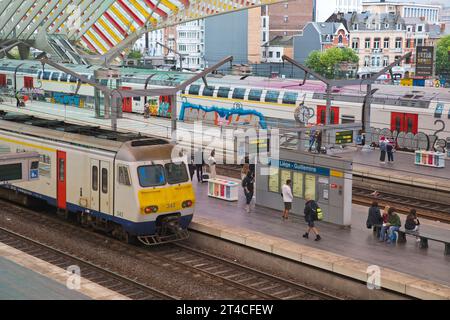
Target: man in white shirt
(212, 164)
(286, 192)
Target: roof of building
(328, 28)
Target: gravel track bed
(108, 253)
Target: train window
(398, 122)
(63, 77)
(208, 91)
(194, 89)
(347, 119)
(290, 97)
(136, 98)
(104, 180)
(94, 178)
(46, 75)
(239, 93)
(409, 124)
(151, 176)
(124, 176)
(439, 110)
(255, 95)
(61, 170)
(55, 76)
(39, 75)
(223, 92)
(72, 78)
(176, 172)
(272, 96)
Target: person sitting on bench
(412, 223)
(392, 225)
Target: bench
(424, 237)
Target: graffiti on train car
(222, 116)
(411, 141)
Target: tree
(325, 62)
(134, 54)
(442, 56)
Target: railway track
(425, 209)
(244, 281)
(95, 273)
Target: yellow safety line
(109, 30)
(123, 19)
(26, 144)
(98, 43)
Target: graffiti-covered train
(417, 117)
(131, 186)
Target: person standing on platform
(212, 164)
(390, 151)
(146, 110)
(191, 168)
(319, 141)
(383, 148)
(286, 192)
(249, 186)
(199, 165)
(374, 218)
(310, 216)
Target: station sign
(295, 166)
(343, 137)
(424, 61)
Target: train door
(28, 82)
(404, 122)
(105, 187)
(321, 115)
(61, 180)
(95, 193)
(127, 103)
(2, 80)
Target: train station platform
(402, 171)
(24, 277)
(346, 251)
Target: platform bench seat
(424, 237)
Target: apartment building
(405, 9)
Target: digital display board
(9, 172)
(424, 61)
(343, 137)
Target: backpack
(316, 211)
(319, 213)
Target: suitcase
(205, 177)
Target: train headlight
(187, 204)
(151, 209)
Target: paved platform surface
(402, 170)
(356, 242)
(24, 277)
(19, 283)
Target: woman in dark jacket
(374, 217)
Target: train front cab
(153, 194)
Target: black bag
(368, 225)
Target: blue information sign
(304, 168)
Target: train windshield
(151, 176)
(176, 172)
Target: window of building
(420, 42)
(270, 54)
(386, 43)
(264, 22)
(376, 43)
(408, 43)
(355, 43)
(264, 37)
(366, 61)
(285, 19)
(285, 5)
(419, 28)
(367, 43)
(355, 26)
(385, 61)
(409, 28)
(386, 25)
(340, 39)
(264, 54)
(373, 62)
(398, 43)
(278, 54)
(399, 26)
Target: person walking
(199, 163)
(383, 147)
(319, 141)
(286, 192)
(212, 164)
(310, 216)
(249, 187)
(390, 151)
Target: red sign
(333, 186)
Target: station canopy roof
(100, 25)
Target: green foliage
(325, 62)
(442, 59)
(134, 54)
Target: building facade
(445, 19)
(405, 9)
(325, 8)
(190, 42)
